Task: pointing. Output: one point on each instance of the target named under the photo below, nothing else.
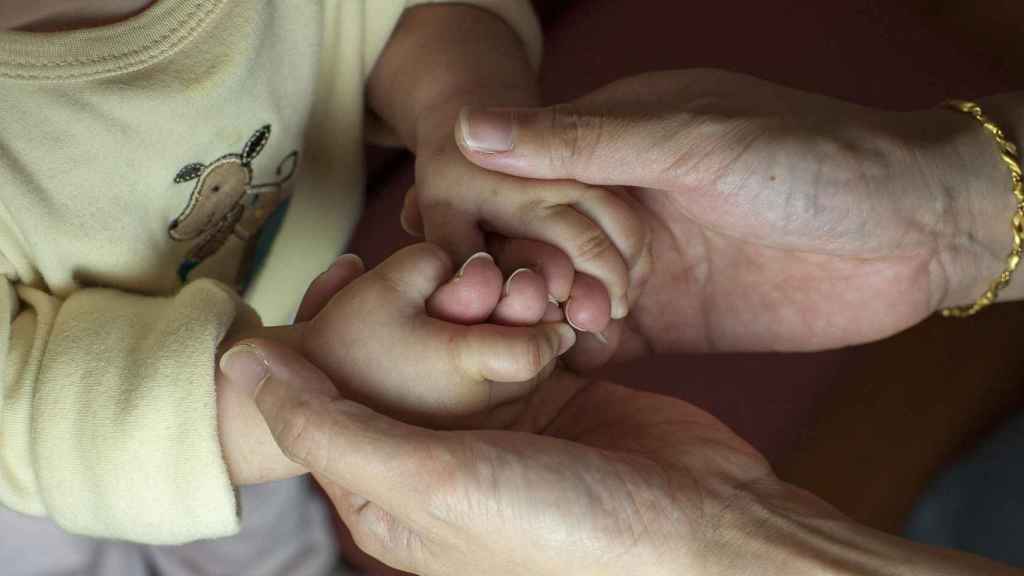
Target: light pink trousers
(286, 530)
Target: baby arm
(441, 61)
(108, 414)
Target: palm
(715, 287)
(576, 450)
(780, 220)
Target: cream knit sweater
(138, 164)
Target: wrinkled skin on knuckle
(527, 356)
(593, 245)
(298, 435)
(383, 536)
(438, 258)
(530, 210)
(543, 348)
(387, 289)
(574, 135)
(456, 346)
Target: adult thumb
(365, 452)
(573, 141)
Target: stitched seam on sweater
(139, 57)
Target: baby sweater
(145, 168)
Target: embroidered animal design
(225, 202)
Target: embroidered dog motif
(225, 202)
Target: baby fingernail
(568, 318)
(508, 283)
(554, 300)
(566, 338)
(470, 260)
(487, 131)
(245, 365)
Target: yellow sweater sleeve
(108, 416)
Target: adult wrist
(973, 185)
(778, 528)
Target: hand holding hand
(781, 220)
(591, 478)
(409, 339)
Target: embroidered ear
(190, 172)
(255, 144)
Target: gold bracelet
(1008, 151)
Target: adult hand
(782, 220)
(593, 479)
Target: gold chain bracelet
(1008, 151)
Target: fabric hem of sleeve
(125, 435)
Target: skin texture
(780, 220)
(477, 59)
(590, 478)
(349, 322)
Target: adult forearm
(788, 531)
(442, 58)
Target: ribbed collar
(106, 50)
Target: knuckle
(458, 356)
(376, 530)
(593, 245)
(383, 536)
(389, 286)
(403, 275)
(432, 255)
(297, 434)
(532, 209)
(566, 128)
(534, 356)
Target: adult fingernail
(600, 337)
(566, 338)
(487, 131)
(245, 365)
(508, 283)
(470, 260)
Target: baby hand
(454, 202)
(379, 343)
